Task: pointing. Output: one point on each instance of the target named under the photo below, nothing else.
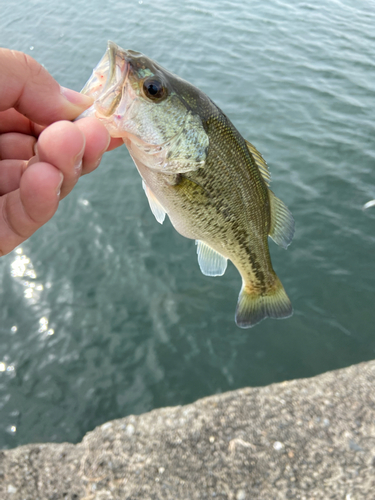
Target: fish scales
(197, 169)
(238, 209)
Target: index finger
(28, 87)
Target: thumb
(28, 87)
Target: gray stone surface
(307, 439)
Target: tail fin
(252, 307)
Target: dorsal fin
(260, 161)
(282, 222)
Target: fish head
(154, 111)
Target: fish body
(197, 168)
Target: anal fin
(211, 262)
(156, 207)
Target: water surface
(104, 312)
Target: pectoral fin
(155, 205)
(210, 262)
(282, 222)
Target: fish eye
(154, 89)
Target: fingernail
(58, 188)
(78, 159)
(33, 159)
(104, 150)
(78, 162)
(78, 166)
(98, 161)
(102, 153)
(108, 143)
(81, 100)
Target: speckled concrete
(308, 439)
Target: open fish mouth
(107, 81)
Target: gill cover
(135, 99)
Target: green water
(104, 312)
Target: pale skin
(42, 153)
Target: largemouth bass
(197, 169)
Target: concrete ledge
(306, 439)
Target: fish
(197, 169)
(369, 204)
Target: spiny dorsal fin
(211, 262)
(155, 205)
(260, 161)
(282, 222)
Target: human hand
(42, 153)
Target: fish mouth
(108, 80)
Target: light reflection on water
(22, 268)
(104, 312)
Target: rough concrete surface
(307, 439)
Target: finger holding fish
(74, 148)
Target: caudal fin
(252, 307)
